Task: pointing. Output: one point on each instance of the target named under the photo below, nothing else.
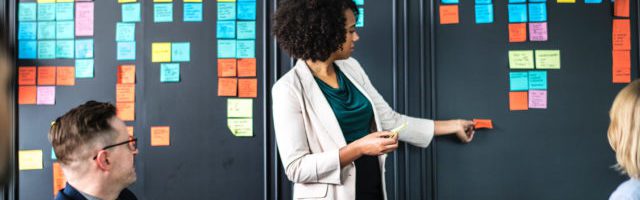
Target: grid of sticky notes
(163, 11)
(533, 14)
(528, 77)
(484, 11)
(449, 12)
(360, 17)
(621, 43)
(37, 85)
(169, 55)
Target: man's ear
(102, 160)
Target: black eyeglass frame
(135, 145)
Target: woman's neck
(321, 68)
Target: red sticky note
(449, 14)
(126, 111)
(160, 136)
(621, 34)
(27, 94)
(518, 101)
(518, 32)
(27, 75)
(621, 66)
(127, 74)
(621, 8)
(125, 92)
(226, 67)
(227, 87)
(248, 88)
(247, 67)
(46, 75)
(59, 180)
(482, 123)
(66, 76)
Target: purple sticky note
(84, 19)
(538, 31)
(46, 95)
(538, 99)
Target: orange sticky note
(621, 34)
(130, 130)
(518, 32)
(59, 180)
(518, 101)
(621, 8)
(27, 75)
(247, 67)
(46, 75)
(248, 88)
(125, 92)
(66, 75)
(160, 136)
(449, 14)
(126, 111)
(482, 123)
(27, 94)
(227, 87)
(621, 66)
(226, 67)
(127, 74)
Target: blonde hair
(624, 129)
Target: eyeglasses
(133, 145)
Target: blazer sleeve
(301, 165)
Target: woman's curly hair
(311, 29)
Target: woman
(328, 117)
(5, 125)
(624, 138)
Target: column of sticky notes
(360, 17)
(621, 43)
(125, 39)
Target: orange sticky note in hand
(482, 123)
(46, 75)
(227, 87)
(621, 66)
(66, 76)
(59, 180)
(621, 8)
(621, 34)
(247, 67)
(518, 101)
(226, 67)
(449, 14)
(160, 136)
(248, 88)
(127, 74)
(518, 32)
(126, 111)
(27, 75)
(27, 94)
(125, 92)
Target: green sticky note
(64, 11)
(548, 59)
(46, 30)
(241, 127)
(226, 11)
(64, 49)
(226, 48)
(537, 80)
(169, 72)
(239, 108)
(180, 52)
(521, 59)
(130, 12)
(126, 51)
(125, 32)
(46, 11)
(518, 81)
(47, 49)
(84, 48)
(65, 29)
(84, 68)
(163, 12)
(27, 11)
(246, 49)
(246, 30)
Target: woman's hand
(377, 143)
(462, 128)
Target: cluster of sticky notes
(36, 85)
(621, 45)
(236, 29)
(126, 92)
(360, 17)
(484, 12)
(240, 117)
(29, 159)
(449, 13)
(528, 89)
(163, 11)
(126, 41)
(160, 136)
(236, 78)
(535, 16)
(164, 53)
(544, 59)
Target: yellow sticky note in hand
(29, 159)
(397, 130)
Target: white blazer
(309, 137)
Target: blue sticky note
(226, 29)
(450, 1)
(27, 11)
(538, 12)
(517, 1)
(192, 12)
(484, 13)
(27, 30)
(518, 81)
(246, 30)
(359, 2)
(65, 29)
(592, 1)
(483, 1)
(246, 49)
(64, 11)
(46, 11)
(163, 12)
(537, 80)
(247, 10)
(130, 12)
(65, 49)
(226, 11)
(170, 72)
(125, 32)
(226, 48)
(84, 68)
(46, 49)
(46, 30)
(53, 154)
(517, 13)
(126, 51)
(180, 52)
(27, 49)
(84, 48)
(533, 1)
(360, 22)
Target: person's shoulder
(286, 82)
(126, 194)
(351, 64)
(629, 190)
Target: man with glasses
(95, 153)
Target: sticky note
(226, 29)
(246, 30)
(126, 1)
(227, 67)
(621, 34)
(27, 95)
(160, 136)
(548, 59)
(227, 87)
(538, 99)
(537, 1)
(517, 13)
(483, 1)
(27, 30)
(247, 67)
(84, 68)
(518, 101)
(84, 19)
(248, 88)
(46, 95)
(65, 49)
(69, 0)
(517, 1)
(126, 51)
(482, 123)
(125, 32)
(126, 74)
(130, 130)
(46, 11)
(53, 154)
(27, 49)
(27, 75)
(226, 11)
(59, 180)
(592, 1)
(360, 19)
(192, 0)
(239, 108)
(45, 1)
(46, 75)
(131, 12)
(65, 76)
(521, 59)
(161, 52)
(126, 111)
(64, 30)
(246, 49)
(537, 80)
(621, 8)
(240, 127)
(169, 72)
(27, 11)
(180, 52)
(46, 30)
(84, 48)
(518, 81)
(47, 49)
(64, 11)
(537, 12)
(162, 0)
(226, 48)
(566, 1)
(192, 12)
(517, 32)
(29, 159)
(484, 13)
(226, 0)
(162, 12)
(359, 2)
(538, 31)
(621, 66)
(449, 14)
(450, 1)
(247, 10)
(126, 92)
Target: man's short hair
(80, 126)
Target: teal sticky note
(46, 11)
(226, 11)
(84, 68)
(170, 72)
(64, 11)
(163, 12)
(226, 29)
(53, 154)
(538, 12)
(546, 0)
(450, 1)
(84, 48)
(484, 13)
(27, 11)
(126, 51)
(360, 20)
(246, 29)
(517, 1)
(125, 32)
(46, 30)
(483, 2)
(226, 48)
(592, 1)
(27, 49)
(46, 49)
(192, 12)
(359, 2)
(247, 10)
(538, 80)
(65, 49)
(246, 49)
(130, 12)
(65, 29)
(180, 52)
(517, 13)
(27, 30)
(518, 81)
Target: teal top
(352, 108)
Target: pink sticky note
(46, 95)
(538, 99)
(538, 31)
(84, 19)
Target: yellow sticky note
(240, 127)
(521, 59)
(161, 52)
(239, 108)
(548, 59)
(566, 1)
(59, 1)
(126, 1)
(29, 159)
(192, 0)
(162, 0)
(46, 1)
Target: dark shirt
(70, 193)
